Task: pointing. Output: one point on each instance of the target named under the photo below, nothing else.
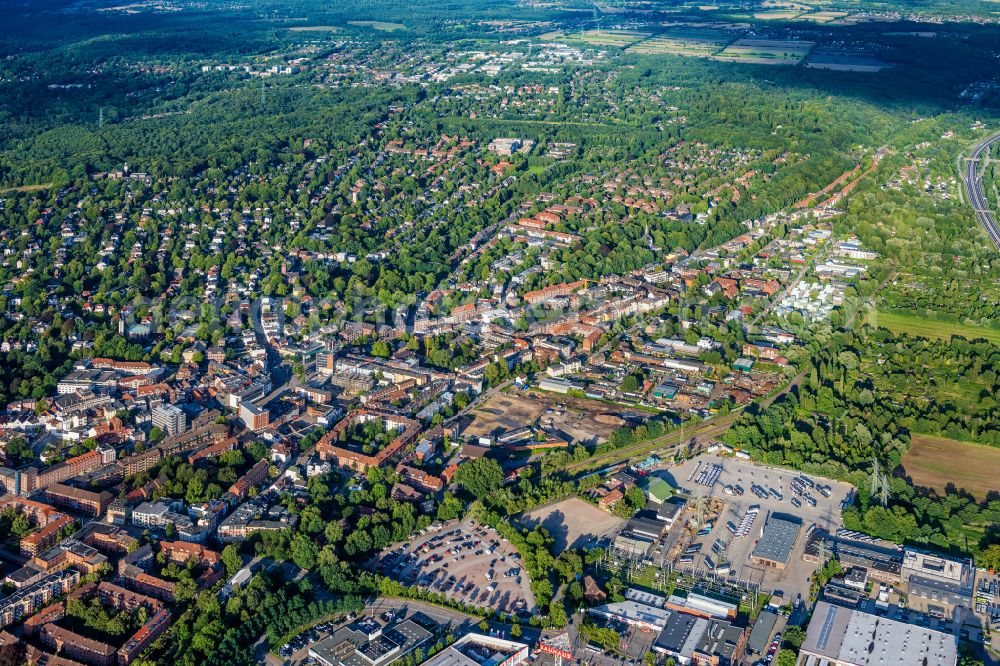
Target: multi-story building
(77, 499)
(254, 417)
(140, 462)
(253, 477)
(346, 458)
(937, 584)
(170, 419)
(32, 598)
(44, 537)
(142, 638)
(76, 646)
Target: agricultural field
(823, 17)
(696, 43)
(846, 61)
(766, 51)
(928, 328)
(936, 462)
(316, 28)
(615, 38)
(381, 26)
(777, 15)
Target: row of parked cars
(306, 638)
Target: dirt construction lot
(505, 412)
(794, 579)
(467, 562)
(573, 523)
(579, 419)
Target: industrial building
(939, 583)
(479, 650)
(777, 540)
(840, 636)
(366, 643)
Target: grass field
(699, 43)
(379, 25)
(27, 188)
(616, 38)
(766, 51)
(935, 462)
(846, 61)
(927, 328)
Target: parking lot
(467, 562)
(705, 552)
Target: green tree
(480, 477)
(231, 559)
(794, 637)
(785, 658)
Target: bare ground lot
(573, 523)
(936, 462)
(580, 419)
(505, 412)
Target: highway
(974, 189)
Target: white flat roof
(853, 636)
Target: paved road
(974, 188)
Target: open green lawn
(928, 328)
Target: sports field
(928, 328)
(935, 462)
